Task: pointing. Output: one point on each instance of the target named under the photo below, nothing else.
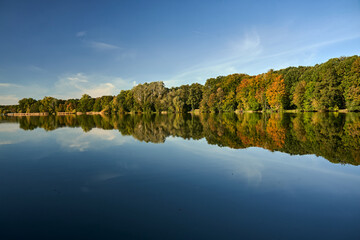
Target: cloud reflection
(78, 140)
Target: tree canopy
(332, 85)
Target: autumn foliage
(276, 92)
(329, 86)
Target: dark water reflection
(334, 136)
(212, 177)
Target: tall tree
(276, 92)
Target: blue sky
(67, 48)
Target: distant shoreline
(196, 111)
(26, 114)
(57, 113)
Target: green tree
(97, 105)
(299, 95)
(86, 103)
(48, 104)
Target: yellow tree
(245, 94)
(276, 92)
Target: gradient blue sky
(67, 48)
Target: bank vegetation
(330, 86)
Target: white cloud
(11, 93)
(76, 139)
(67, 86)
(310, 47)
(78, 78)
(101, 90)
(75, 85)
(9, 127)
(97, 45)
(81, 34)
(36, 69)
(236, 52)
(8, 85)
(126, 54)
(249, 43)
(102, 46)
(259, 50)
(8, 100)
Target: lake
(208, 176)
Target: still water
(248, 176)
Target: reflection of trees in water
(334, 136)
(351, 137)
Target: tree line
(331, 86)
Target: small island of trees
(329, 86)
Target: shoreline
(26, 114)
(196, 112)
(57, 113)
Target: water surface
(250, 176)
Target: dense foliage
(334, 136)
(332, 85)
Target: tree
(351, 86)
(299, 95)
(178, 104)
(48, 104)
(246, 94)
(195, 95)
(220, 96)
(106, 103)
(229, 103)
(70, 105)
(146, 94)
(86, 103)
(276, 92)
(97, 105)
(25, 104)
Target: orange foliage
(275, 92)
(275, 131)
(242, 93)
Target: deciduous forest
(329, 86)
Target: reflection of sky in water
(76, 139)
(114, 182)
(249, 164)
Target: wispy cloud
(77, 78)
(97, 45)
(237, 52)
(8, 99)
(75, 85)
(81, 34)
(11, 93)
(9, 127)
(67, 86)
(254, 53)
(102, 46)
(77, 140)
(5, 84)
(100, 90)
(249, 43)
(36, 69)
(8, 85)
